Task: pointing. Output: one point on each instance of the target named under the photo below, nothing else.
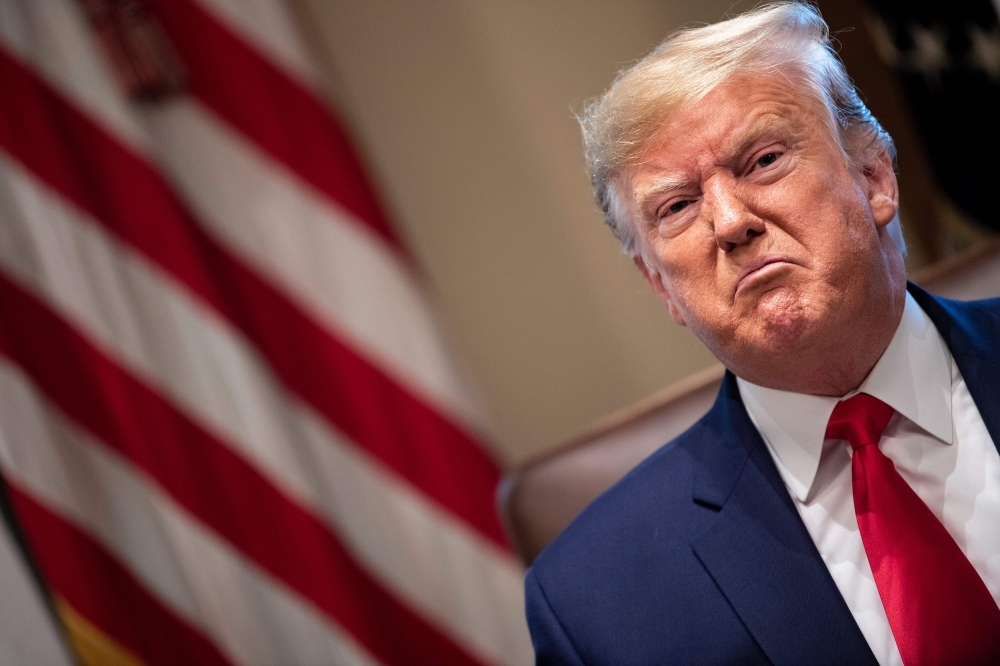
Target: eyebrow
(658, 188)
(745, 139)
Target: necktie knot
(860, 420)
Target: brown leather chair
(540, 498)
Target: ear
(882, 188)
(655, 281)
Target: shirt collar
(913, 376)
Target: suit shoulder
(986, 305)
(656, 493)
(977, 318)
(626, 564)
(990, 305)
(983, 305)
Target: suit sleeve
(552, 645)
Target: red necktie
(939, 608)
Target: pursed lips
(757, 264)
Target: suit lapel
(759, 552)
(972, 333)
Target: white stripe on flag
(153, 328)
(251, 618)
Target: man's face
(762, 238)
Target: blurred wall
(463, 110)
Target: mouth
(759, 268)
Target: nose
(734, 222)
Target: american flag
(229, 428)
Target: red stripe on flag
(211, 481)
(87, 166)
(274, 111)
(99, 588)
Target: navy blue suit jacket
(698, 556)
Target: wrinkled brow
(646, 195)
(732, 149)
(743, 140)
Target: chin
(784, 321)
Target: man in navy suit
(840, 503)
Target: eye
(677, 206)
(767, 160)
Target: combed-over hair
(787, 37)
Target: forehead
(737, 111)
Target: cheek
(848, 229)
(687, 257)
(801, 195)
(825, 211)
(690, 263)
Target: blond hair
(786, 37)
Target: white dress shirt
(937, 441)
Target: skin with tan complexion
(763, 238)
